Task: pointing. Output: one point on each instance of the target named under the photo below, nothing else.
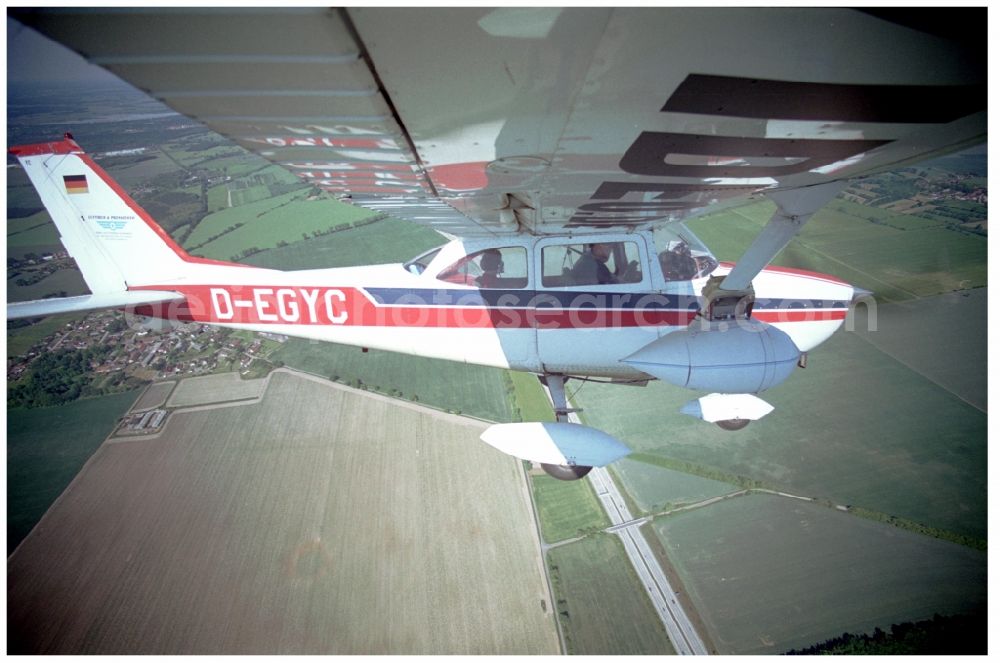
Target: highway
(680, 630)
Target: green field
(909, 258)
(215, 224)
(46, 447)
(602, 606)
(131, 176)
(32, 234)
(267, 222)
(294, 525)
(566, 509)
(34, 230)
(69, 281)
(218, 198)
(532, 404)
(655, 488)
(856, 427)
(387, 240)
(433, 382)
(769, 574)
(21, 195)
(183, 154)
(912, 333)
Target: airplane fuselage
(528, 322)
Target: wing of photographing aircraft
(553, 120)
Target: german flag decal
(75, 183)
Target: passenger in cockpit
(592, 266)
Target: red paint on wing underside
(460, 176)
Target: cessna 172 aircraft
(547, 144)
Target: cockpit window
(591, 264)
(684, 257)
(419, 264)
(505, 268)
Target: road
(679, 628)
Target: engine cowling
(727, 357)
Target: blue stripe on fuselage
(564, 299)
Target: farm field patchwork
(285, 223)
(655, 488)
(911, 258)
(770, 574)
(292, 526)
(46, 447)
(387, 240)
(601, 604)
(885, 437)
(136, 174)
(215, 224)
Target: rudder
(114, 241)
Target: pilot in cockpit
(491, 262)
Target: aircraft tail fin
(115, 242)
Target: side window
(504, 268)
(420, 263)
(604, 263)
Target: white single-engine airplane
(548, 144)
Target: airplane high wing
(549, 142)
(549, 120)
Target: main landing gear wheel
(566, 472)
(732, 424)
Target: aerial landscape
(187, 488)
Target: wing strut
(731, 296)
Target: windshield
(419, 264)
(682, 255)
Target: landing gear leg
(557, 391)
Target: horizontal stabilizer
(555, 443)
(724, 407)
(42, 307)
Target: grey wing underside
(552, 120)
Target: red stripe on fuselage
(799, 315)
(305, 305)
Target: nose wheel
(732, 424)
